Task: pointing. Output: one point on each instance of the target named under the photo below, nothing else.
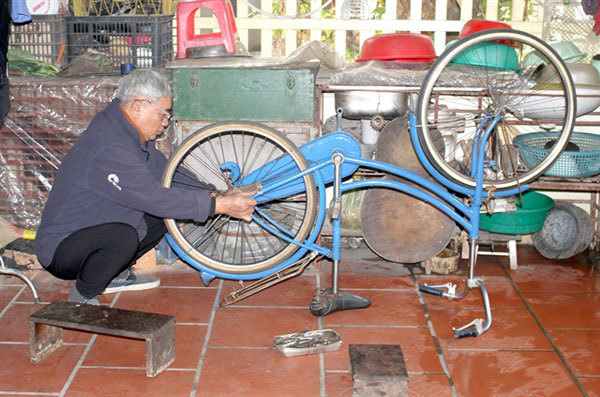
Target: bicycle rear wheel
(236, 154)
(500, 72)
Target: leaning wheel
(500, 72)
(231, 155)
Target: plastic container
(568, 51)
(528, 218)
(477, 25)
(489, 54)
(143, 41)
(43, 37)
(570, 164)
(404, 47)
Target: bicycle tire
(225, 244)
(488, 72)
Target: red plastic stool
(185, 26)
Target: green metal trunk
(266, 93)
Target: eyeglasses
(167, 115)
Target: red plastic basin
(404, 47)
(477, 25)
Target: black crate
(42, 37)
(144, 41)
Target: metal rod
(473, 257)
(337, 220)
(12, 272)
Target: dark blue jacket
(109, 175)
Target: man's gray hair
(146, 83)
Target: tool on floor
(293, 270)
(308, 342)
(8, 234)
(378, 370)
(46, 325)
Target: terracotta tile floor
(544, 340)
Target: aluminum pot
(366, 104)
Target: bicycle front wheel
(230, 155)
(500, 73)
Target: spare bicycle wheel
(501, 73)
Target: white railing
(247, 20)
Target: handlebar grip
(465, 333)
(430, 290)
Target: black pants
(95, 255)
(4, 99)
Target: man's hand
(237, 205)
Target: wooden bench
(46, 325)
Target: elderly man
(107, 205)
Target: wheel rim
(482, 75)
(230, 154)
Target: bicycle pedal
(308, 342)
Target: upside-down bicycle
(496, 92)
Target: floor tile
(48, 287)
(339, 384)
(591, 386)
(510, 329)
(180, 275)
(7, 294)
(368, 278)
(503, 373)
(553, 277)
(527, 253)
(258, 373)
(94, 382)
(19, 374)
(297, 292)
(581, 349)
(115, 351)
(397, 308)
(188, 305)
(501, 293)
(565, 310)
(427, 385)
(256, 327)
(420, 354)
(487, 265)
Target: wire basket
(570, 164)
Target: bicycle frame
(336, 156)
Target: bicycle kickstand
(332, 299)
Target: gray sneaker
(76, 297)
(129, 281)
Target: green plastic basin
(528, 218)
(488, 54)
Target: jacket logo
(114, 179)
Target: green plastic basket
(528, 218)
(570, 164)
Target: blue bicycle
(498, 83)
